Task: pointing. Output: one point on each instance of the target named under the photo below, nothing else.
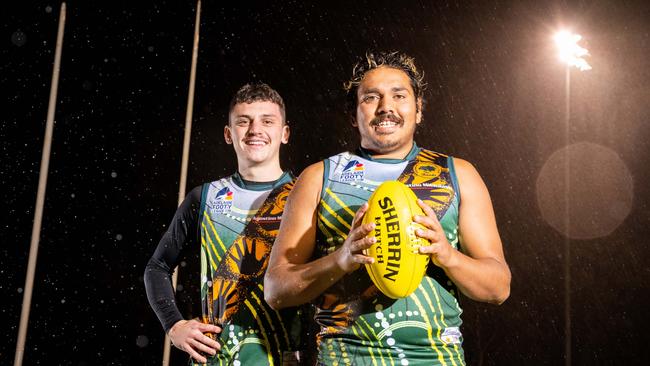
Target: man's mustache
(386, 117)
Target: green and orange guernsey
(239, 223)
(359, 325)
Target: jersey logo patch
(451, 335)
(353, 172)
(222, 201)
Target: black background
(495, 97)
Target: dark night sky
(495, 97)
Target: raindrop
(142, 341)
(87, 85)
(18, 38)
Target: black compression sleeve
(180, 237)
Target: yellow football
(398, 267)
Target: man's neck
(260, 173)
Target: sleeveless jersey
(359, 325)
(238, 228)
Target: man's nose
(253, 127)
(385, 106)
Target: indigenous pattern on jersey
(238, 227)
(359, 325)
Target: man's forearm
(482, 279)
(160, 294)
(289, 284)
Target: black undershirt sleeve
(181, 236)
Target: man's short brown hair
(258, 92)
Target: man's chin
(384, 144)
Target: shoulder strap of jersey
(205, 187)
(267, 218)
(429, 177)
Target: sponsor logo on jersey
(353, 172)
(451, 335)
(222, 201)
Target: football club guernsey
(359, 325)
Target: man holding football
(318, 254)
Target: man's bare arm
(480, 271)
(290, 278)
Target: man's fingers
(359, 215)
(211, 342)
(195, 355)
(208, 328)
(430, 219)
(428, 222)
(361, 231)
(363, 259)
(203, 347)
(429, 249)
(364, 243)
(426, 208)
(430, 235)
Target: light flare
(570, 52)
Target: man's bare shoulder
(462, 165)
(308, 186)
(314, 171)
(465, 170)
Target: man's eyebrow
(371, 90)
(243, 116)
(393, 89)
(398, 89)
(249, 117)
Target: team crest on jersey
(222, 202)
(451, 335)
(427, 169)
(353, 172)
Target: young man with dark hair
(234, 221)
(318, 254)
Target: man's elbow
(270, 294)
(500, 297)
(502, 294)
(274, 302)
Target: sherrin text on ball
(398, 267)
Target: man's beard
(383, 145)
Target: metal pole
(567, 218)
(186, 148)
(40, 195)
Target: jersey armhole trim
(454, 179)
(326, 174)
(204, 195)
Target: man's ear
(227, 135)
(353, 122)
(418, 109)
(286, 132)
